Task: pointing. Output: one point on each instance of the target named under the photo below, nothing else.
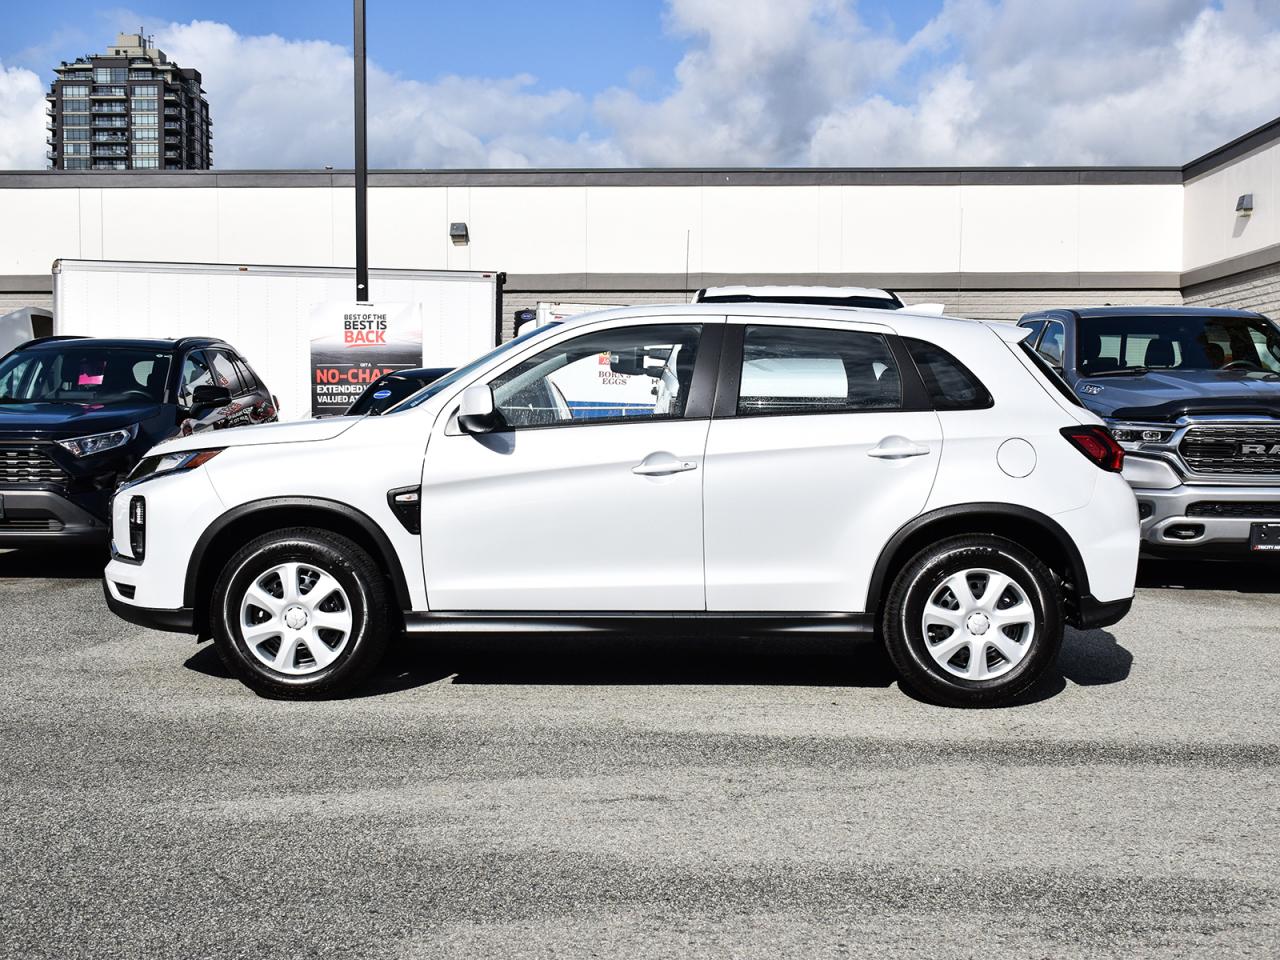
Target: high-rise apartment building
(128, 109)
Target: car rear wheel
(300, 614)
(973, 621)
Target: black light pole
(362, 164)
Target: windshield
(422, 396)
(1136, 344)
(84, 374)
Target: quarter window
(799, 370)
(642, 372)
(950, 383)
(1055, 336)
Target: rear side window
(225, 373)
(801, 370)
(951, 385)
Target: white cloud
(288, 103)
(763, 83)
(22, 120)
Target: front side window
(610, 375)
(1055, 335)
(800, 370)
(195, 373)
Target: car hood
(300, 431)
(61, 419)
(1166, 395)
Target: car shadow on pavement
(605, 661)
(1088, 658)
(62, 563)
(1257, 576)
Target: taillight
(1098, 445)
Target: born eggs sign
(353, 345)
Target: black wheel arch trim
(387, 553)
(878, 586)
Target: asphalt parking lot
(537, 798)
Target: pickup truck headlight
(1132, 436)
(151, 467)
(99, 442)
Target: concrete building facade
(990, 243)
(129, 108)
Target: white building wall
(1213, 231)
(579, 230)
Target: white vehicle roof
(925, 325)
(797, 291)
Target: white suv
(754, 468)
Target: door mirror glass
(475, 412)
(206, 396)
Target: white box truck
(267, 312)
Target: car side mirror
(633, 363)
(476, 410)
(207, 395)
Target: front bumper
(181, 620)
(1173, 524)
(33, 517)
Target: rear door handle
(897, 448)
(661, 465)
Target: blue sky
(580, 44)
(689, 82)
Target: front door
(588, 494)
(813, 462)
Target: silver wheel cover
(295, 618)
(978, 624)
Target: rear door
(821, 447)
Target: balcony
(121, 151)
(109, 93)
(121, 137)
(107, 108)
(170, 125)
(110, 122)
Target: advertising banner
(354, 344)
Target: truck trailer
(270, 312)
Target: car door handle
(662, 464)
(897, 448)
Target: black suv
(77, 414)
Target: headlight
(1131, 436)
(99, 442)
(152, 467)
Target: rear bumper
(181, 620)
(35, 517)
(1172, 527)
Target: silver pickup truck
(1193, 395)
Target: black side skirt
(724, 624)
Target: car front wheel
(973, 621)
(300, 614)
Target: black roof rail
(62, 336)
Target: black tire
(366, 600)
(921, 579)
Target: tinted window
(386, 392)
(1177, 341)
(225, 373)
(195, 373)
(810, 370)
(950, 383)
(617, 374)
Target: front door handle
(661, 465)
(897, 448)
